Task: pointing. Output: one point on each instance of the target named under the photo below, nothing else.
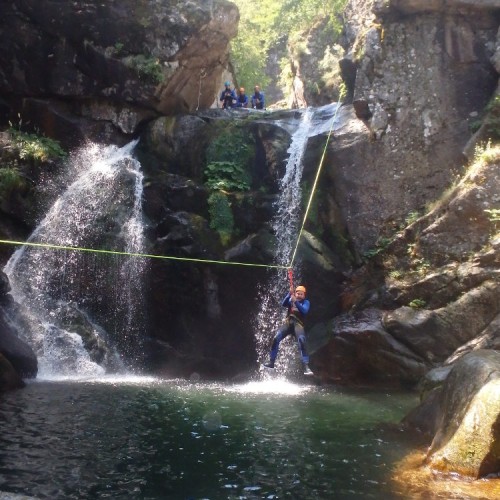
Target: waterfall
(285, 226)
(77, 308)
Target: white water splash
(55, 288)
(279, 386)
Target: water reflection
(153, 439)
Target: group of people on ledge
(229, 99)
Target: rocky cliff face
(417, 74)
(403, 251)
(81, 70)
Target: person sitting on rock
(242, 100)
(258, 101)
(298, 307)
(227, 96)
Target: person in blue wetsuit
(298, 307)
(258, 101)
(227, 96)
(242, 99)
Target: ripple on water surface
(144, 438)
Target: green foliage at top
(26, 146)
(226, 176)
(148, 68)
(263, 23)
(229, 158)
(35, 147)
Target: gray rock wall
(418, 78)
(99, 69)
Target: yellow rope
(131, 254)
(187, 259)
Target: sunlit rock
(467, 439)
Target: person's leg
(282, 333)
(301, 340)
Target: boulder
(467, 440)
(15, 355)
(19, 354)
(435, 335)
(355, 348)
(414, 133)
(9, 378)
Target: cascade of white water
(56, 289)
(286, 227)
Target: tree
(263, 23)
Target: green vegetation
(30, 147)
(493, 214)
(10, 180)
(494, 217)
(229, 158)
(221, 216)
(119, 47)
(396, 274)
(412, 217)
(226, 176)
(486, 153)
(493, 119)
(381, 245)
(417, 303)
(266, 23)
(146, 67)
(35, 147)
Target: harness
(227, 98)
(295, 315)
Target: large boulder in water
(15, 353)
(356, 348)
(466, 417)
(19, 354)
(9, 378)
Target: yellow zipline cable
(187, 259)
(131, 254)
(320, 166)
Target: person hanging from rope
(258, 101)
(298, 307)
(242, 99)
(227, 96)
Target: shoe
(269, 365)
(307, 370)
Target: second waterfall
(79, 309)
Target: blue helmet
(227, 84)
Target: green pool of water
(139, 438)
